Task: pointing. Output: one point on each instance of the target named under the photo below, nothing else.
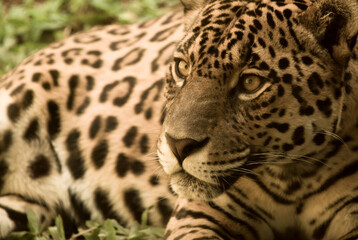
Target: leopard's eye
(181, 68)
(251, 86)
(251, 83)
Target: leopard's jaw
(198, 171)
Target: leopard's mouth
(189, 186)
(202, 174)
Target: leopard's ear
(191, 10)
(334, 23)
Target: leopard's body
(71, 127)
(258, 133)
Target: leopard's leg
(340, 222)
(31, 176)
(13, 213)
(353, 235)
(193, 219)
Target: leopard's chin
(188, 186)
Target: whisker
(301, 158)
(244, 170)
(335, 136)
(267, 162)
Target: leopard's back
(78, 126)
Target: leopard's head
(253, 83)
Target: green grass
(33, 24)
(96, 230)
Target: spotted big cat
(234, 120)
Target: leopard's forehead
(224, 23)
(229, 36)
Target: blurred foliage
(96, 230)
(32, 24)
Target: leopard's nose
(184, 147)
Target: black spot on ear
(133, 201)
(39, 167)
(332, 23)
(352, 43)
(331, 36)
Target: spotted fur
(258, 132)
(72, 140)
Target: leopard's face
(248, 86)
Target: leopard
(236, 119)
